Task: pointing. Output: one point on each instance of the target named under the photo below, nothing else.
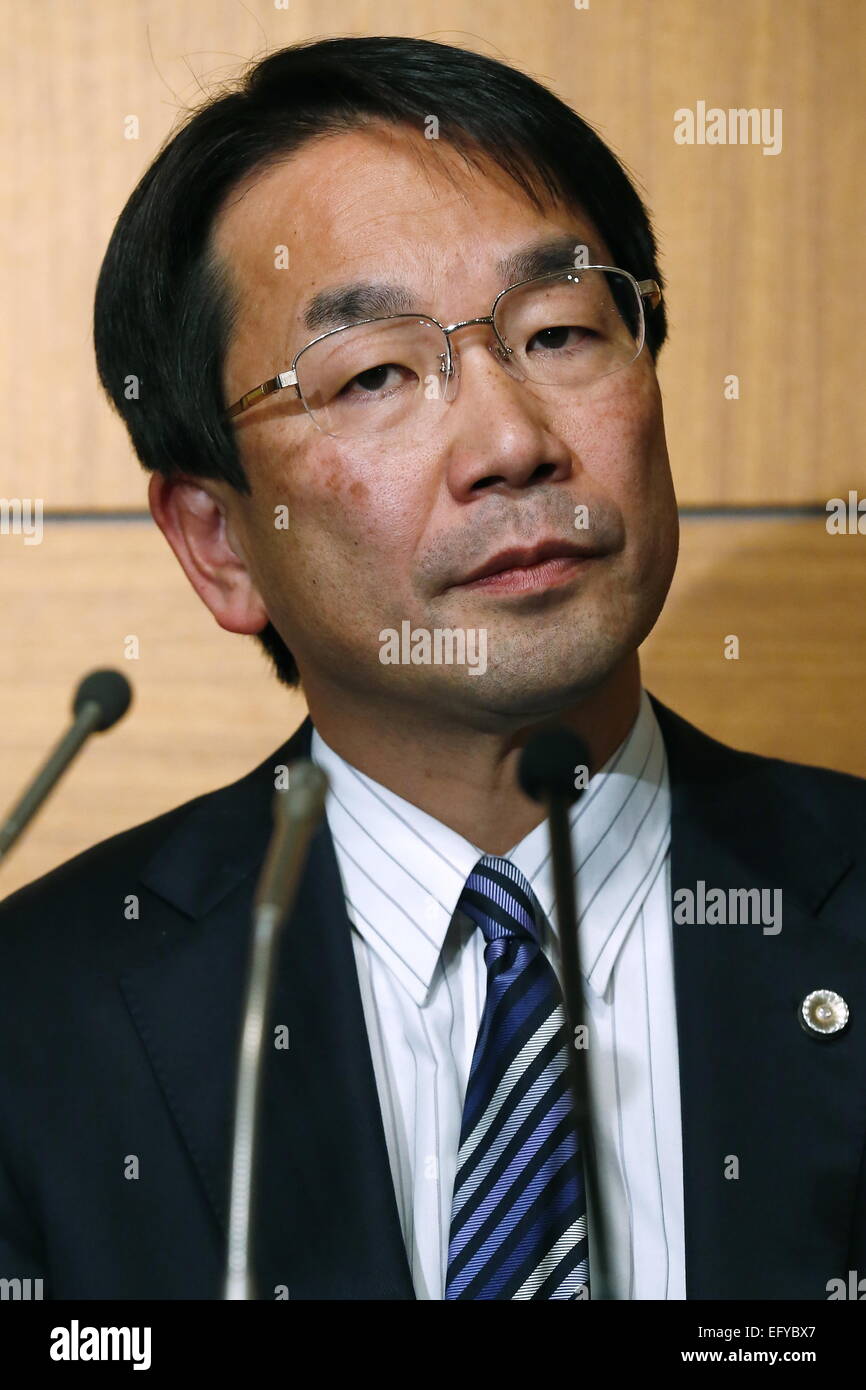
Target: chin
(512, 695)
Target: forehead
(379, 204)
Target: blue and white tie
(518, 1214)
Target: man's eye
(554, 339)
(376, 380)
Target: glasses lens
(369, 377)
(570, 330)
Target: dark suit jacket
(118, 1037)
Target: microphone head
(108, 689)
(546, 769)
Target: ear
(194, 522)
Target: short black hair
(164, 307)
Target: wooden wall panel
(207, 708)
(794, 597)
(764, 254)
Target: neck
(465, 778)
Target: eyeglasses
(561, 331)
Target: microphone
(297, 812)
(102, 698)
(546, 773)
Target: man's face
(386, 529)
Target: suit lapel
(771, 1140)
(327, 1224)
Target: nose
(499, 433)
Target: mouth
(542, 566)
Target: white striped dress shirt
(423, 982)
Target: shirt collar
(403, 871)
(620, 832)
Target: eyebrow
(369, 299)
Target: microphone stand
(569, 954)
(297, 812)
(545, 774)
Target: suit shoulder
(113, 863)
(836, 799)
(826, 791)
(844, 789)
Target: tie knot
(500, 900)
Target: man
(393, 311)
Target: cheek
(620, 445)
(625, 451)
(366, 498)
(640, 483)
(352, 512)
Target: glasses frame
(645, 289)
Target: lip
(537, 567)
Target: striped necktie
(518, 1213)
